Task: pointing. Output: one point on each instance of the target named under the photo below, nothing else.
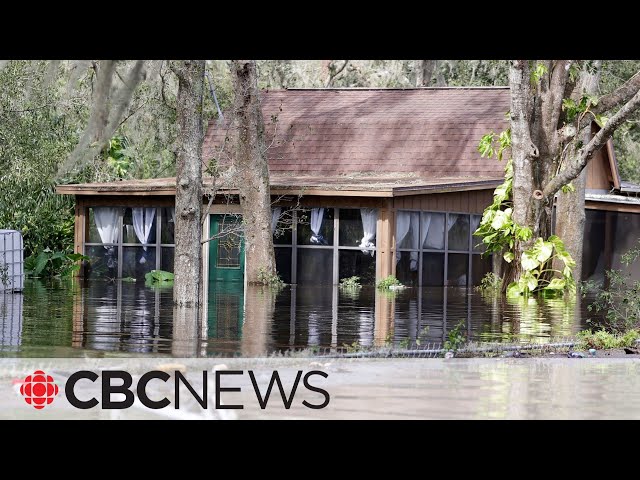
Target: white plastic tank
(11, 261)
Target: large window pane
(432, 269)
(595, 235)
(352, 221)
(432, 230)
(282, 235)
(322, 220)
(139, 225)
(458, 269)
(408, 229)
(104, 225)
(136, 262)
(407, 268)
(167, 228)
(283, 263)
(480, 266)
(476, 242)
(166, 259)
(103, 262)
(458, 231)
(315, 266)
(355, 263)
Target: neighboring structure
(378, 182)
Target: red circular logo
(38, 389)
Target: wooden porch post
(384, 244)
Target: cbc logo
(38, 389)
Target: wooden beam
(612, 207)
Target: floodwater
(69, 318)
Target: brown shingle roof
(431, 132)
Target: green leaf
(74, 257)
(543, 250)
(568, 188)
(514, 290)
(529, 261)
(41, 263)
(499, 220)
(508, 257)
(556, 284)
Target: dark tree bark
(253, 174)
(548, 150)
(424, 72)
(187, 290)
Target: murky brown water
(70, 318)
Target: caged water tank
(11, 261)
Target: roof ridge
(490, 87)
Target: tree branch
(332, 76)
(572, 170)
(619, 96)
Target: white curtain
(415, 238)
(106, 219)
(275, 215)
(317, 215)
(172, 211)
(403, 223)
(369, 222)
(142, 224)
(434, 238)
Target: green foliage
(48, 263)
(536, 266)
(620, 302)
(490, 284)
(568, 188)
(575, 109)
(455, 338)
(500, 234)
(119, 156)
(158, 278)
(4, 274)
(269, 279)
(388, 282)
(350, 282)
(537, 73)
(602, 339)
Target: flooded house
(364, 182)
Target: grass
(350, 282)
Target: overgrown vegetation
(49, 264)
(500, 233)
(490, 284)
(455, 338)
(271, 280)
(620, 301)
(388, 282)
(4, 274)
(602, 339)
(350, 282)
(158, 278)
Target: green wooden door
(226, 253)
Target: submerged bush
(603, 339)
(388, 282)
(620, 302)
(350, 282)
(52, 264)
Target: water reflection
(73, 318)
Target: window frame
(445, 250)
(157, 245)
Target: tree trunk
(570, 216)
(530, 208)
(424, 72)
(570, 219)
(253, 172)
(187, 291)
